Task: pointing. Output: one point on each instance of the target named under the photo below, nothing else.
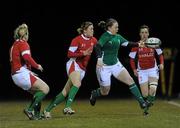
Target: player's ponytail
(102, 24)
(107, 24)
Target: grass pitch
(120, 113)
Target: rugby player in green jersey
(108, 63)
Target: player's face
(114, 28)
(89, 31)
(144, 34)
(22, 32)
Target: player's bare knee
(77, 84)
(153, 88)
(45, 89)
(130, 81)
(105, 90)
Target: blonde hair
(84, 26)
(17, 34)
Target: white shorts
(24, 78)
(71, 66)
(104, 74)
(143, 75)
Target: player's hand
(88, 51)
(40, 67)
(99, 63)
(135, 72)
(141, 43)
(161, 66)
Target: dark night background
(52, 25)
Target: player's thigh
(142, 77)
(75, 78)
(153, 76)
(40, 85)
(125, 77)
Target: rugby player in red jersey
(79, 54)
(146, 69)
(21, 63)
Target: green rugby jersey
(110, 46)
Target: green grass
(106, 114)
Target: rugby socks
(135, 91)
(37, 110)
(96, 93)
(38, 97)
(72, 93)
(151, 98)
(58, 99)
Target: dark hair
(143, 26)
(84, 26)
(109, 22)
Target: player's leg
(37, 108)
(57, 100)
(76, 74)
(153, 83)
(104, 79)
(123, 75)
(145, 91)
(40, 89)
(60, 97)
(27, 81)
(75, 78)
(143, 82)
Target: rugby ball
(153, 42)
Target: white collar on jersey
(109, 32)
(21, 40)
(86, 38)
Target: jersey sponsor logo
(146, 55)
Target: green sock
(96, 93)
(135, 91)
(151, 98)
(71, 95)
(37, 110)
(38, 96)
(58, 99)
(145, 98)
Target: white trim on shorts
(76, 67)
